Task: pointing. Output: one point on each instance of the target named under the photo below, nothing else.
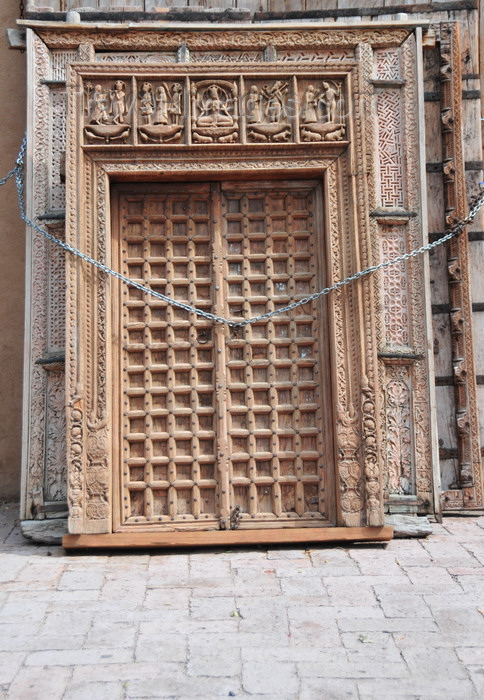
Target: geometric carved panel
(391, 180)
(277, 452)
(395, 287)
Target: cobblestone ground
(403, 620)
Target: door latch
(235, 518)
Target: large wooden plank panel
(446, 416)
(476, 259)
(449, 470)
(438, 275)
(469, 38)
(480, 400)
(433, 136)
(435, 201)
(442, 347)
(478, 331)
(222, 538)
(471, 127)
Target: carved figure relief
(161, 112)
(267, 113)
(214, 111)
(106, 109)
(244, 108)
(321, 112)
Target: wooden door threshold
(216, 538)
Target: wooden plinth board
(146, 540)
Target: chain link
(21, 9)
(18, 172)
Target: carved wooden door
(221, 429)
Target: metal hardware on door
(235, 518)
(203, 337)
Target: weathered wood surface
(229, 537)
(192, 396)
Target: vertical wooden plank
(220, 331)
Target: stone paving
(402, 620)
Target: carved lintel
(115, 40)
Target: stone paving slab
(402, 620)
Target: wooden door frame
(89, 414)
(349, 171)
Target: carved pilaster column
(468, 481)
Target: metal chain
(18, 172)
(21, 9)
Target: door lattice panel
(168, 364)
(275, 431)
(212, 419)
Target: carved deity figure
(266, 115)
(321, 108)
(214, 112)
(147, 105)
(175, 107)
(118, 102)
(254, 107)
(106, 111)
(161, 111)
(98, 108)
(329, 98)
(309, 113)
(274, 108)
(214, 109)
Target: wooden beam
(216, 538)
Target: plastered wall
(12, 248)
